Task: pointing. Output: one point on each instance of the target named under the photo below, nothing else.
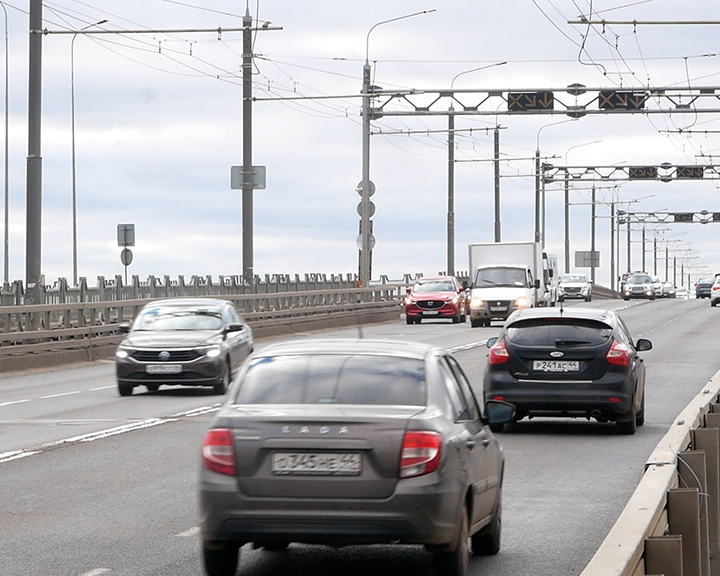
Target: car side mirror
(465, 285)
(491, 342)
(498, 412)
(408, 289)
(124, 328)
(234, 327)
(643, 344)
(537, 283)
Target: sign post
(126, 237)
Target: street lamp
(451, 176)
(72, 120)
(6, 269)
(365, 235)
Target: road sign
(587, 259)
(126, 256)
(371, 242)
(371, 209)
(126, 234)
(642, 172)
(620, 100)
(688, 172)
(257, 177)
(359, 188)
(522, 101)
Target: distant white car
(715, 292)
(682, 292)
(574, 286)
(659, 287)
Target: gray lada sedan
(344, 442)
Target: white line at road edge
(467, 346)
(96, 572)
(92, 436)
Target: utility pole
(247, 184)
(497, 183)
(592, 236)
(33, 237)
(451, 195)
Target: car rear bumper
(418, 512)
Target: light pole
(540, 202)
(366, 238)
(6, 270)
(451, 176)
(72, 131)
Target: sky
(158, 126)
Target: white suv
(715, 292)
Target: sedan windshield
(568, 278)
(558, 332)
(334, 379)
(639, 279)
(175, 318)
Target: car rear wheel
(455, 562)
(629, 426)
(221, 561)
(125, 389)
(487, 540)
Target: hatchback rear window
(334, 379)
(558, 332)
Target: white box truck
(506, 276)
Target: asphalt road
(94, 484)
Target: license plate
(316, 464)
(556, 366)
(498, 308)
(163, 368)
(430, 312)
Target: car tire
(486, 541)
(713, 303)
(221, 561)
(640, 416)
(629, 426)
(588, 299)
(463, 317)
(456, 318)
(455, 562)
(561, 299)
(487, 323)
(409, 319)
(221, 387)
(476, 323)
(125, 389)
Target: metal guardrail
(671, 525)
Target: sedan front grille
(175, 355)
(430, 304)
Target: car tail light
(420, 453)
(218, 454)
(498, 353)
(619, 354)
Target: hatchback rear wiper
(571, 342)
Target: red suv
(436, 297)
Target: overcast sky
(159, 124)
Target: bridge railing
(671, 525)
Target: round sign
(359, 188)
(126, 256)
(371, 242)
(371, 209)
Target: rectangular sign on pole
(587, 259)
(126, 234)
(257, 177)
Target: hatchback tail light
(218, 454)
(498, 353)
(619, 354)
(420, 453)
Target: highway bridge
(96, 484)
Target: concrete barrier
(671, 524)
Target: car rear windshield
(558, 332)
(335, 379)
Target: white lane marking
(188, 533)
(468, 346)
(14, 402)
(15, 455)
(92, 436)
(96, 572)
(58, 395)
(101, 388)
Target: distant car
(182, 341)
(703, 287)
(436, 297)
(577, 362)
(638, 285)
(715, 292)
(343, 442)
(658, 287)
(681, 292)
(668, 290)
(574, 286)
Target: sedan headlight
(213, 352)
(121, 354)
(521, 302)
(476, 302)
